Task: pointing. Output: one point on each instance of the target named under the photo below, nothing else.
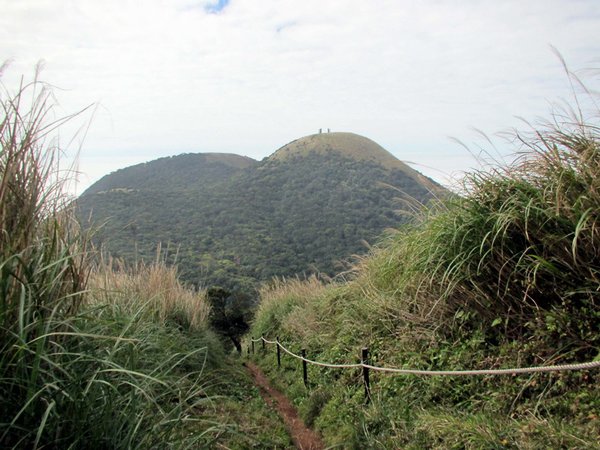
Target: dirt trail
(304, 438)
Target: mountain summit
(348, 145)
(233, 221)
(352, 146)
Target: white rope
(580, 366)
(556, 368)
(317, 363)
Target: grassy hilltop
(507, 275)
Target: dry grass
(155, 286)
(292, 301)
(279, 288)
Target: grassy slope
(350, 145)
(168, 374)
(507, 276)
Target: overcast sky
(248, 76)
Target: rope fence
(366, 367)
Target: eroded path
(304, 438)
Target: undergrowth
(505, 275)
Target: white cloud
(171, 78)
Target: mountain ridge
(143, 175)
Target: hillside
(232, 221)
(506, 276)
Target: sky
(166, 77)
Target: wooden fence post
(304, 368)
(263, 343)
(252, 346)
(365, 360)
(278, 352)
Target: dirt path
(304, 438)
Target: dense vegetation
(101, 354)
(507, 275)
(232, 226)
(100, 357)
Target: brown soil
(304, 438)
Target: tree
(230, 313)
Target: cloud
(247, 77)
(216, 6)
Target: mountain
(231, 221)
(189, 171)
(349, 145)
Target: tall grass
(517, 256)
(505, 275)
(286, 299)
(157, 285)
(43, 267)
(43, 259)
(120, 367)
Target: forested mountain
(231, 221)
